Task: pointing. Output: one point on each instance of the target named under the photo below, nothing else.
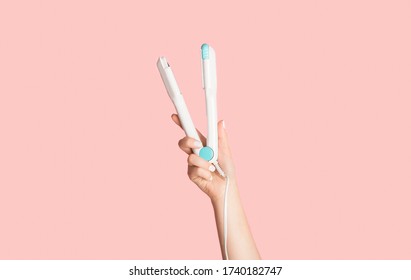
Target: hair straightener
(209, 81)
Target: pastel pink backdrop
(315, 96)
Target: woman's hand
(200, 171)
(240, 244)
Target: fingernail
(212, 168)
(224, 124)
(198, 144)
(211, 178)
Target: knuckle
(190, 173)
(191, 158)
(181, 143)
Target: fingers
(198, 167)
(188, 143)
(176, 119)
(195, 160)
(194, 173)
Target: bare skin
(240, 243)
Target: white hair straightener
(209, 152)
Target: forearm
(240, 242)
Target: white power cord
(225, 216)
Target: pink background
(315, 96)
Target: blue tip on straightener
(204, 51)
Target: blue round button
(206, 153)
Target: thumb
(224, 152)
(223, 145)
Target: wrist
(217, 198)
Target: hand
(241, 244)
(198, 170)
